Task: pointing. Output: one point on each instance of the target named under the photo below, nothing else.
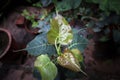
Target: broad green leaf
(39, 45)
(68, 60)
(65, 31)
(77, 54)
(60, 31)
(78, 41)
(54, 31)
(65, 5)
(47, 68)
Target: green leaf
(78, 42)
(104, 39)
(38, 4)
(60, 31)
(25, 13)
(54, 31)
(65, 31)
(77, 54)
(65, 5)
(34, 24)
(47, 68)
(30, 17)
(40, 45)
(69, 61)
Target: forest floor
(96, 69)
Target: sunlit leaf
(47, 69)
(61, 30)
(65, 31)
(77, 54)
(54, 31)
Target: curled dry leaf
(68, 60)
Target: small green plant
(50, 42)
(30, 17)
(56, 33)
(56, 39)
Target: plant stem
(33, 47)
(56, 12)
(55, 3)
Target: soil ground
(96, 69)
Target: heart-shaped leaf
(47, 69)
(39, 45)
(68, 60)
(54, 31)
(60, 30)
(77, 54)
(79, 41)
